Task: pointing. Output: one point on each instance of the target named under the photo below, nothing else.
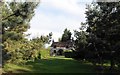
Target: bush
(74, 55)
(68, 54)
(67, 50)
(45, 53)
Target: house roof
(62, 44)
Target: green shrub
(67, 50)
(45, 53)
(69, 54)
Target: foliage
(45, 53)
(22, 51)
(66, 36)
(81, 40)
(15, 21)
(101, 39)
(67, 50)
(104, 24)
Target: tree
(103, 21)
(101, 39)
(1, 3)
(15, 21)
(66, 36)
(41, 41)
(80, 42)
(16, 24)
(81, 37)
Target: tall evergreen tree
(103, 19)
(15, 21)
(81, 37)
(66, 36)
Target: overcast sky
(56, 15)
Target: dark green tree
(81, 38)
(80, 42)
(66, 36)
(103, 20)
(41, 41)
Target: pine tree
(15, 21)
(66, 36)
(103, 19)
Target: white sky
(56, 15)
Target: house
(58, 48)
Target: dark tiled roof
(62, 44)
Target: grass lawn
(52, 65)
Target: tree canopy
(102, 34)
(15, 21)
(66, 36)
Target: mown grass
(58, 64)
(16, 68)
(52, 65)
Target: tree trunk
(112, 64)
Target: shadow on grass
(60, 66)
(57, 66)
